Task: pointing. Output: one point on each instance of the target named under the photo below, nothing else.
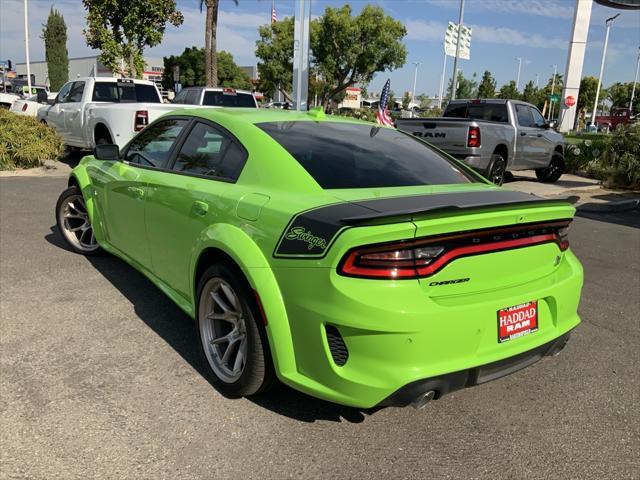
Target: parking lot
(101, 378)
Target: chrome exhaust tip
(421, 400)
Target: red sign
(516, 321)
(570, 101)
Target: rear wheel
(497, 169)
(554, 171)
(233, 340)
(72, 219)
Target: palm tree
(211, 25)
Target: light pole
(519, 59)
(454, 84)
(608, 23)
(537, 79)
(441, 92)
(635, 80)
(553, 87)
(26, 45)
(415, 80)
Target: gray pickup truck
(494, 136)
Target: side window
(208, 151)
(524, 116)
(538, 120)
(75, 95)
(64, 92)
(152, 147)
(193, 97)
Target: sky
(538, 31)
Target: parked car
(353, 262)
(280, 105)
(494, 136)
(7, 99)
(618, 116)
(215, 97)
(31, 105)
(103, 110)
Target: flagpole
(444, 69)
(26, 45)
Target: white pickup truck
(99, 110)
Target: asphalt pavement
(100, 378)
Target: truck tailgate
(448, 134)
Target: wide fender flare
(247, 255)
(80, 177)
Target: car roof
(261, 115)
(112, 79)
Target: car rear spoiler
(407, 208)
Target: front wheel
(72, 219)
(232, 341)
(554, 171)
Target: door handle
(539, 135)
(200, 208)
(136, 191)
(523, 134)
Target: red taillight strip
(349, 267)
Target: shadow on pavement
(176, 328)
(560, 183)
(72, 157)
(628, 219)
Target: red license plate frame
(517, 321)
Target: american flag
(382, 117)
(274, 18)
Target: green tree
(509, 91)
(588, 87)
(619, 94)
(545, 92)
(425, 101)
(54, 34)
(466, 88)
(351, 49)
(487, 87)
(211, 41)
(230, 74)
(530, 93)
(122, 29)
(406, 99)
(275, 51)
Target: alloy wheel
(76, 226)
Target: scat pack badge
(304, 235)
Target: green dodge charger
(353, 262)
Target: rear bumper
(476, 161)
(474, 376)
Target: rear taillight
(141, 120)
(473, 139)
(24, 107)
(424, 257)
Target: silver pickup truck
(494, 136)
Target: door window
(75, 95)
(152, 147)
(538, 120)
(210, 152)
(180, 97)
(524, 116)
(64, 92)
(193, 97)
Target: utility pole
(519, 59)
(608, 23)
(635, 80)
(26, 45)
(553, 87)
(444, 68)
(454, 84)
(301, 21)
(415, 80)
(537, 80)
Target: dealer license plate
(517, 321)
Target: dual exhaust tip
(421, 400)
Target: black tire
(79, 242)
(258, 374)
(497, 169)
(554, 171)
(104, 139)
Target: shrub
(25, 142)
(366, 114)
(615, 160)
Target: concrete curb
(610, 207)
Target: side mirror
(107, 151)
(51, 101)
(552, 125)
(41, 96)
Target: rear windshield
(221, 99)
(347, 155)
(124, 92)
(493, 112)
